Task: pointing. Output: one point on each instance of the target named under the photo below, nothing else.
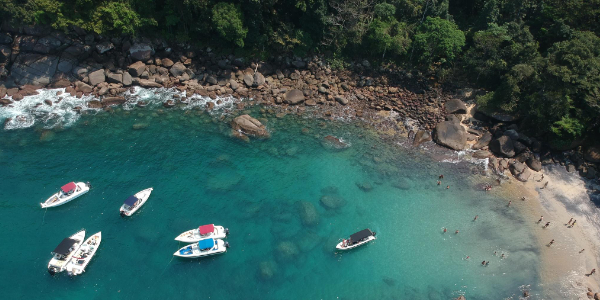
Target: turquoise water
(267, 192)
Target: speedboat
(203, 248)
(64, 252)
(203, 232)
(84, 254)
(133, 203)
(67, 192)
(358, 239)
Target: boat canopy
(204, 229)
(64, 246)
(131, 200)
(68, 187)
(361, 235)
(206, 244)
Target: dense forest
(539, 59)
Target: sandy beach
(564, 269)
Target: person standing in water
(439, 182)
(441, 177)
(447, 187)
(475, 218)
(445, 229)
(456, 232)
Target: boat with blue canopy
(133, 203)
(203, 248)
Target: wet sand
(563, 269)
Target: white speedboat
(358, 239)
(133, 203)
(64, 252)
(203, 248)
(67, 193)
(83, 255)
(203, 232)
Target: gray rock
(299, 64)
(137, 68)
(512, 134)
(450, 134)
(167, 63)
(66, 63)
(525, 139)
(323, 90)
(517, 167)
(481, 154)
(536, 146)
(46, 45)
(114, 78)
(503, 146)
(259, 79)
(5, 38)
(148, 83)
(592, 154)
(141, 51)
(248, 80)
(177, 69)
(421, 137)
(525, 175)
(5, 52)
(233, 84)
(97, 77)
(341, 100)
(27, 43)
(571, 168)
(534, 164)
(453, 118)
(127, 80)
(34, 69)
(294, 97)
(104, 47)
(483, 141)
(83, 87)
(455, 106)
(519, 147)
(212, 80)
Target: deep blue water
(267, 192)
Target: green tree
(228, 22)
(391, 37)
(438, 41)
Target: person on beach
(593, 271)
(569, 223)
(541, 219)
(551, 242)
(547, 224)
(476, 218)
(522, 198)
(581, 251)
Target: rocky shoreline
(88, 64)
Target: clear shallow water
(268, 194)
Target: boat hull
(193, 235)
(342, 248)
(194, 252)
(57, 265)
(143, 196)
(56, 200)
(88, 249)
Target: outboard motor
(374, 233)
(226, 231)
(122, 214)
(52, 271)
(226, 244)
(88, 184)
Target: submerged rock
(267, 269)
(286, 251)
(364, 186)
(308, 213)
(332, 201)
(245, 124)
(403, 184)
(138, 126)
(47, 135)
(333, 143)
(421, 137)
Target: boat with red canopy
(67, 192)
(203, 232)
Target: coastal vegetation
(538, 59)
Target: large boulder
(148, 83)
(481, 154)
(46, 45)
(517, 168)
(167, 63)
(341, 100)
(114, 78)
(141, 51)
(592, 154)
(137, 68)
(294, 97)
(127, 80)
(534, 164)
(108, 101)
(483, 141)
(97, 77)
(503, 146)
(451, 135)
(332, 201)
(512, 134)
(177, 69)
(455, 106)
(421, 137)
(34, 69)
(249, 125)
(259, 79)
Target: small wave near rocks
(55, 107)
